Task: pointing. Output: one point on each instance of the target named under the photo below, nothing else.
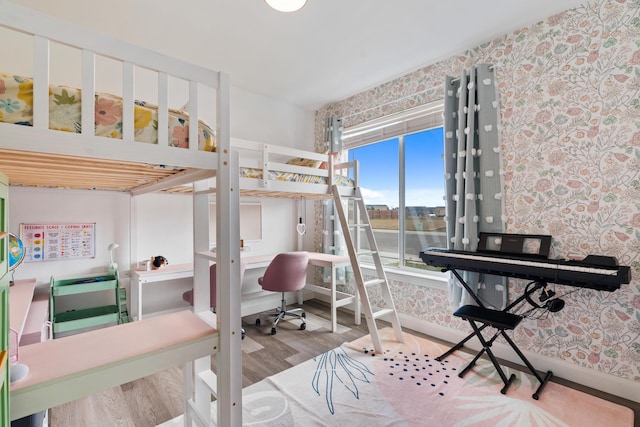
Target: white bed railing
(269, 157)
(45, 30)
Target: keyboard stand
(500, 320)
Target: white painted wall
(110, 212)
(164, 227)
(260, 118)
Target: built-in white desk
(179, 271)
(140, 278)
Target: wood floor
(158, 398)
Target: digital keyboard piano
(521, 257)
(595, 272)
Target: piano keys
(599, 273)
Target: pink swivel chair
(188, 295)
(287, 272)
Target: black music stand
(501, 321)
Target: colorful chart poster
(56, 242)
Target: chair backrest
(287, 272)
(188, 295)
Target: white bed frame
(273, 157)
(200, 382)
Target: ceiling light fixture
(286, 5)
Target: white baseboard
(611, 384)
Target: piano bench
(502, 321)
(498, 319)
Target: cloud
(376, 197)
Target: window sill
(430, 279)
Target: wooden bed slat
(59, 171)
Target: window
(402, 182)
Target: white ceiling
(327, 51)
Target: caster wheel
(243, 334)
(303, 326)
(304, 315)
(273, 331)
(257, 322)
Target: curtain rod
(383, 121)
(393, 101)
(491, 67)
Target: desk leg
(139, 314)
(133, 296)
(357, 309)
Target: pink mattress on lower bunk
(16, 106)
(72, 355)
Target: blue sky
(424, 167)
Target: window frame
(416, 120)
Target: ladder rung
(359, 225)
(380, 313)
(374, 282)
(210, 380)
(363, 253)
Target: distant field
(422, 224)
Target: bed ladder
(351, 227)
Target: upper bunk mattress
(16, 106)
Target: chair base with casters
(501, 321)
(282, 311)
(287, 272)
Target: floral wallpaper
(569, 90)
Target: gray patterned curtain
(474, 184)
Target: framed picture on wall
(56, 242)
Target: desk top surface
(169, 269)
(315, 258)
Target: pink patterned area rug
(406, 386)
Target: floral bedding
(16, 106)
(294, 177)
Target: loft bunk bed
(80, 154)
(35, 152)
